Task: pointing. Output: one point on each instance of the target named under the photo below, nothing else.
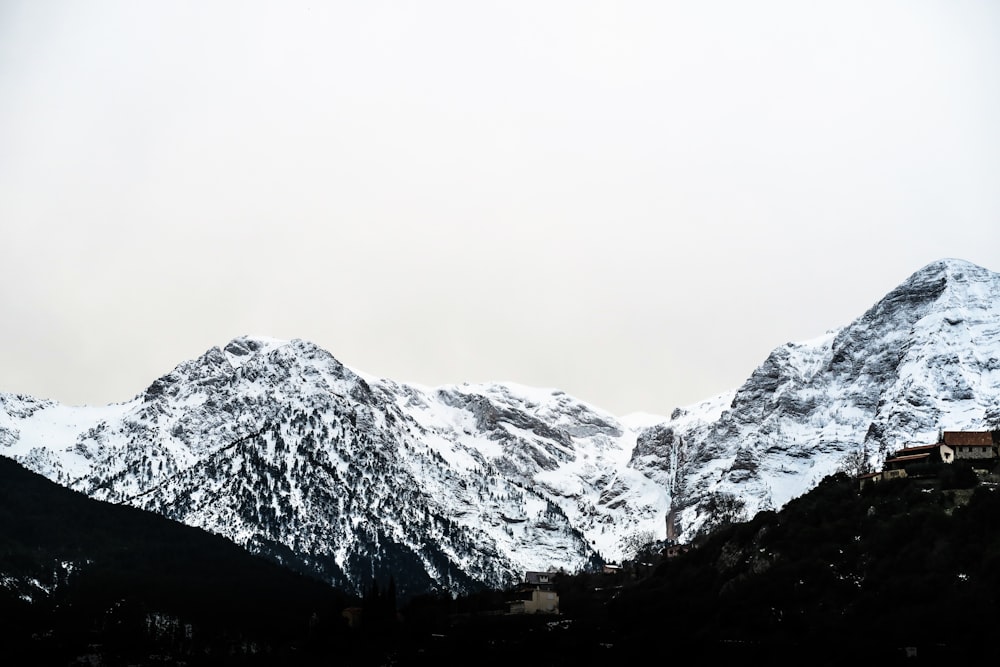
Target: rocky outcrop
(921, 359)
(283, 449)
(286, 451)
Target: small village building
(536, 595)
(907, 456)
(982, 438)
(876, 477)
(536, 602)
(869, 478)
(539, 580)
(353, 616)
(953, 446)
(674, 550)
(969, 445)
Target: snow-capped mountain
(925, 358)
(283, 449)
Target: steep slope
(925, 357)
(837, 576)
(833, 575)
(279, 447)
(87, 582)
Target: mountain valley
(282, 449)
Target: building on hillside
(952, 446)
(869, 478)
(968, 445)
(536, 595)
(539, 580)
(674, 550)
(882, 475)
(353, 616)
(953, 438)
(907, 456)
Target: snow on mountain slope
(925, 357)
(281, 448)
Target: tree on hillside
(723, 509)
(856, 463)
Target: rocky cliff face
(283, 449)
(924, 358)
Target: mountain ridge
(897, 374)
(283, 449)
(288, 434)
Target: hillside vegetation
(907, 569)
(83, 580)
(908, 563)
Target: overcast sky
(633, 202)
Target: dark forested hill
(905, 572)
(909, 567)
(284, 450)
(107, 584)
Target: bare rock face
(281, 448)
(286, 451)
(923, 358)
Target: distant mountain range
(279, 447)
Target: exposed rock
(920, 359)
(286, 451)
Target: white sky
(630, 201)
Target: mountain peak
(283, 449)
(952, 270)
(244, 345)
(951, 263)
(945, 282)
